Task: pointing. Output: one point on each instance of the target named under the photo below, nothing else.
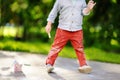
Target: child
(69, 28)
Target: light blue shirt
(74, 1)
(70, 14)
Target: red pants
(61, 38)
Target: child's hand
(48, 29)
(91, 4)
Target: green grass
(38, 47)
(33, 47)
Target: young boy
(69, 28)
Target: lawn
(37, 47)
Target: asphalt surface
(33, 68)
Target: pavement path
(65, 69)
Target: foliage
(25, 12)
(104, 22)
(101, 27)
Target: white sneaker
(85, 69)
(49, 68)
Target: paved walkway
(65, 69)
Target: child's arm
(51, 17)
(54, 11)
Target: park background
(22, 28)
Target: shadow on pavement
(2, 55)
(56, 76)
(17, 74)
(11, 75)
(5, 68)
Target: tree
(102, 24)
(28, 13)
(105, 17)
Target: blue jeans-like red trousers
(61, 38)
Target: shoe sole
(50, 70)
(86, 70)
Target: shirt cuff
(52, 21)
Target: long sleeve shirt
(70, 14)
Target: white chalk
(49, 35)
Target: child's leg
(59, 42)
(77, 42)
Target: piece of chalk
(49, 35)
(27, 64)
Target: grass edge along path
(38, 47)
